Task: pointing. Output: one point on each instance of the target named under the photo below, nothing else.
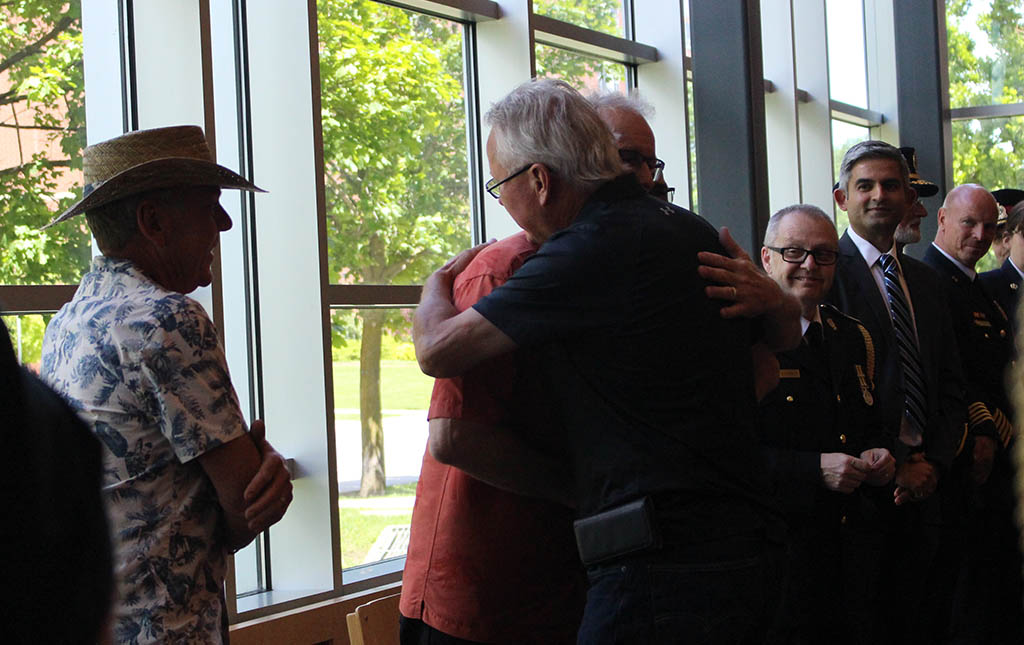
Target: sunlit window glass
(986, 52)
(394, 132)
(586, 74)
(847, 67)
(844, 136)
(26, 333)
(600, 15)
(380, 410)
(42, 131)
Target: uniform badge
(832, 324)
(865, 391)
(794, 373)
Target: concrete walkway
(405, 439)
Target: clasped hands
(269, 493)
(845, 473)
(916, 479)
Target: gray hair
(546, 121)
(612, 100)
(809, 209)
(114, 224)
(871, 150)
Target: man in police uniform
(825, 443)
(909, 230)
(1007, 199)
(990, 602)
(1004, 284)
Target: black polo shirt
(655, 387)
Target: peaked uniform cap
(149, 160)
(923, 187)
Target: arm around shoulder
(449, 343)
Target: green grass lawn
(402, 385)
(363, 519)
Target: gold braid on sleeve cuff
(1004, 427)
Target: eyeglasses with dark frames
(493, 186)
(796, 255)
(635, 158)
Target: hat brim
(924, 188)
(1008, 197)
(154, 175)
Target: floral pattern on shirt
(145, 368)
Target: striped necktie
(913, 375)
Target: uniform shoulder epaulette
(831, 311)
(869, 344)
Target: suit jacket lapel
(863, 285)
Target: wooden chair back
(375, 623)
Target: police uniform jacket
(1003, 285)
(825, 402)
(983, 334)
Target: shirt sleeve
(483, 393)
(184, 364)
(573, 284)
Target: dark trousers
(412, 631)
(831, 584)
(664, 597)
(912, 543)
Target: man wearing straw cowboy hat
(142, 364)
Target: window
(844, 136)
(42, 131)
(398, 205)
(599, 15)
(847, 67)
(986, 94)
(586, 74)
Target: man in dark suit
(1004, 284)
(827, 450)
(989, 607)
(919, 381)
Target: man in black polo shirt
(654, 378)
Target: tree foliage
(41, 100)
(987, 151)
(583, 72)
(395, 171)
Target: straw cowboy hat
(148, 160)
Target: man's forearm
(428, 324)
(501, 458)
(449, 342)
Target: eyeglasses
(661, 191)
(493, 186)
(634, 158)
(796, 255)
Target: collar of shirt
(970, 273)
(1019, 272)
(868, 250)
(805, 323)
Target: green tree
(987, 151)
(41, 97)
(395, 169)
(583, 72)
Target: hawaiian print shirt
(145, 368)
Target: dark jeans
(413, 631)
(664, 597)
